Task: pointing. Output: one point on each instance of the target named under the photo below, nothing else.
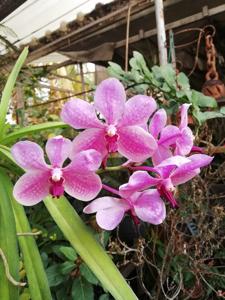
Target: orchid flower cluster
(137, 131)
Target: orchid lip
(56, 174)
(111, 130)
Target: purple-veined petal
(138, 109)
(80, 114)
(90, 139)
(150, 208)
(169, 135)
(58, 150)
(184, 115)
(184, 143)
(82, 186)
(109, 100)
(105, 203)
(161, 154)
(87, 160)
(29, 156)
(32, 187)
(189, 170)
(158, 122)
(138, 181)
(135, 143)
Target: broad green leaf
(204, 116)
(8, 243)
(222, 110)
(7, 92)
(37, 279)
(183, 81)
(104, 297)
(23, 132)
(201, 100)
(68, 252)
(88, 275)
(67, 267)
(88, 248)
(54, 275)
(169, 74)
(82, 290)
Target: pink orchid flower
(121, 130)
(145, 205)
(77, 178)
(171, 139)
(169, 173)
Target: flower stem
(111, 169)
(110, 189)
(142, 168)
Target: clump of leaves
(169, 88)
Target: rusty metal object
(213, 86)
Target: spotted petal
(110, 99)
(58, 150)
(29, 156)
(92, 138)
(150, 208)
(184, 143)
(80, 114)
(158, 122)
(82, 186)
(135, 143)
(138, 109)
(32, 187)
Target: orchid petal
(184, 115)
(184, 143)
(135, 143)
(109, 100)
(158, 122)
(138, 109)
(58, 150)
(174, 160)
(80, 114)
(169, 135)
(161, 154)
(32, 188)
(88, 160)
(92, 138)
(109, 218)
(138, 181)
(189, 170)
(83, 186)
(29, 156)
(150, 208)
(105, 203)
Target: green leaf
(222, 110)
(7, 92)
(82, 290)
(201, 100)
(54, 275)
(169, 74)
(37, 279)
(21, 133)
(204, 116)
(88, 275)
(183, 81)
(68, 252)
(104, 297)
(8, 243)
(115, 70)
(88, 248)
(67, 267)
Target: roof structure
(100, 35)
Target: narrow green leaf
(82, 290)
(88, 248)
(7, 92)
(8, 244)
(23, 132)
(37, 279)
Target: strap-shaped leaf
(8, 245)
(23, 132)
(37, 279)
(7, 92)
(88, 248)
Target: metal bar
(161, 32)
